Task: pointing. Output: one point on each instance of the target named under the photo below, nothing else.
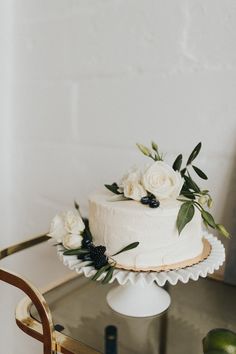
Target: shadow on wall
(229, 217)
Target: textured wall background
(82, 80)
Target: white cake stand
(139, 294)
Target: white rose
(133, 175)
(72, 241)
(73, 222)
(134, 190)
(131, 185)
(162, 181)
(57, 228)
(69, 222)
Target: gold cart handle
(48, 335)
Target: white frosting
(116, 224)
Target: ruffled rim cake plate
(210, 260)
(138, 293)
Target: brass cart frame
(53, 341)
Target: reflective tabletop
(80, 307)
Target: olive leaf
(101, 271)
(205, 223)
(108, 276)
(188, 194)
(127, 248)
(113, 188)
(182, 172)
(178, 162)
(185, 215)
(75, 252)
(194, 153)
(200, 173)
(191, 184)
(208, 218)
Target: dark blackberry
(96, 251)
(154, 203)
(100, 261)
(145, 200)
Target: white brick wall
(81, 81)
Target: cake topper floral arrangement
(160, 181)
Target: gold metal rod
(23, 245)
(39, 302)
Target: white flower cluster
(67, 228)
(158, 179)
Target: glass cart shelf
(80, 307)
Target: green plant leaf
(101, 271)
(108, 276)
(113, 188)
(191, 184)
(182, 172)
(75, 252)
(194, 153)
(222, 230)
(200, 173)
(127, 248)
(185, 215)
(188, 194)
(185, 188)
(208, 218)
(178, 162)
(205, 223)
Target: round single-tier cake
(115, 224)
(151, 220)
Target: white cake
(115, 224)
(148, 220)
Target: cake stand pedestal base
(138, 300)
